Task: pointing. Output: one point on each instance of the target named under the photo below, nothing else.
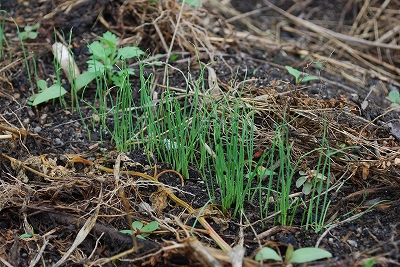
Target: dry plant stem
(15, 161)
(6, 263)
(328, 33)
(222, 244)
(124, 200)
(19, 133)
(39, 255)
(101, 262)
(172, 42)
(6, 136)
(83, 232)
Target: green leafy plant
(29, 32)
(301, 255)
(306, 180)
(105, 59)
(298, 75)
(140, 230)
(46, 93)
(394, 97)
(107, 65)
(369, 262)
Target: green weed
(29, 32)
(141, 231)
(46, 93)
(301, 255)
(394, 97)
(298, 75)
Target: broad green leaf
(31, 28)
(109, 39)
(320, 176)
(303, 255)
(52, 92)
(25, 236)
(150, 227)
(296, 73)
(84, 79)
(137, 225)
(95, 66)
(129, 232)
(98, 51)
(174, 57)
(41, 84)
(32, 35)
(267, 253)
(22, 35)
(28, 28)
(309, 78)
(301, 181)
(193, 3)
(394, 96)
(142, 236)
(394, 104)
(129, 52)
(307, 188)
(264, 172)
(289, 253)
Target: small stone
(352, 243)
(37, 129)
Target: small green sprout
(261, 173)
(297, 75)
(307, 180)
(394, 97)
(301, 255)
(28, 235)
(141, 231)
(369, 262)
(29, 32)
(46, 93)
(193, 3)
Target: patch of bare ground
(72, 194)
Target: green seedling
(28, 235)
(261, 173)
(29, 32)
(301, 255)
(307, 180)
(46, 93)
(394, 97)
(173, 57)
(105, 60)
(369, 262)
(193, 3)
(141, 231)
(297, 75)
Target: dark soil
(57, 207)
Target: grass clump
(232, 146)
